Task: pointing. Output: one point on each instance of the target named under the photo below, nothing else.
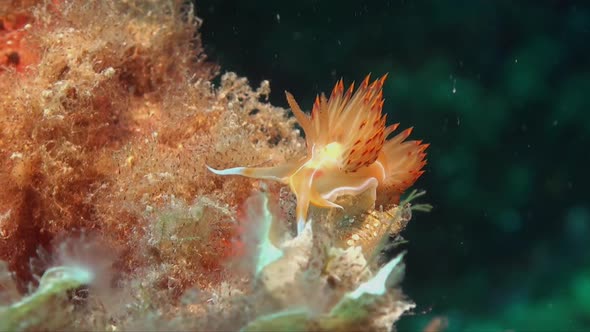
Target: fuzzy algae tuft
(31, 309)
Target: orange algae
(90, 136)
(15, 50)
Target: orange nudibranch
(348, 152)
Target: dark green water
(500, 90)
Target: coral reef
(109, 219)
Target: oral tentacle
(276, 173)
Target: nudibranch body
(348, 152)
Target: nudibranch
(348, 152)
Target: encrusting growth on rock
(110, 220)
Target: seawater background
(500, 89)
